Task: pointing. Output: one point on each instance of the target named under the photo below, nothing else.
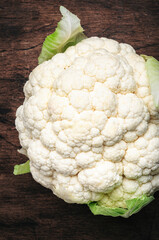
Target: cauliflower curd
(89, 126)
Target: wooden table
(28, 210)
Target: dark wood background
(28, 210)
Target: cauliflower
(89, 127)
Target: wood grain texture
(27, 210)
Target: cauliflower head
(89, 126)
(89, 123)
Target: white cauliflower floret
(70, 189)
(102, 99)
(115, 153)
(87, 159)
(113, 131)
(101, 178)
(89, 126)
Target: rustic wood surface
(28, 210)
